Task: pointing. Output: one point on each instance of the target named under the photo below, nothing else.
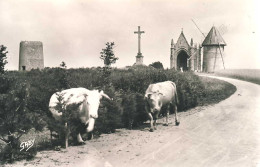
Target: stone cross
(139, 40)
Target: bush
(126, 87)
(134, 112)
(129, 109)
(12, 151)
(16, 118)
(33, 89)
(110, 112)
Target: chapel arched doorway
(182, 60)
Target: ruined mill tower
(31, 55)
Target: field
(215, 90)
(33, 90)
(250, 75)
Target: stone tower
(184, 56)
(31, 55)
(213, 51)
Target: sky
(75, 31)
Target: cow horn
(104, 95)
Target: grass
(215, 90)
(250, 75)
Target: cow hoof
(57, 148)
(166, 124)
(177, 123)
(81, 143)
(151, 130)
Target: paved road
(226, 134)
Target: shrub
(3, 58)
(129, 109)
(157, 65)
(110, 112)
(134, 112)
(126, 87)
(16, 119)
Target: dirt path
(224, 134)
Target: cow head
(154, 101)
(93, 101)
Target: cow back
(71, 96)
(167, 88)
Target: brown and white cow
(158, 95)
(89, 101)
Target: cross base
(139, 55)
(139, 59)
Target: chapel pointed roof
(213, 38)
(182, 41)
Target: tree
(63, 75)
(63, 65)
(3, 60)
(67, 118)
(108, 55)
(157, 65)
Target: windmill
(217, 42)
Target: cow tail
(146, 105)
(176, 97)
(175, 94)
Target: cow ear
(148, 95)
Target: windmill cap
(213, 38)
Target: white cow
(158, 95)
(89, 101)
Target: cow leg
(151, 122)
(154, 124)
(61, 135)
(90, 136)
(155, 119)
(79, 129)
(79, 139)
(51, 135)
(91, 124)
(167, 115)
(167, 119)
(177, 122)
